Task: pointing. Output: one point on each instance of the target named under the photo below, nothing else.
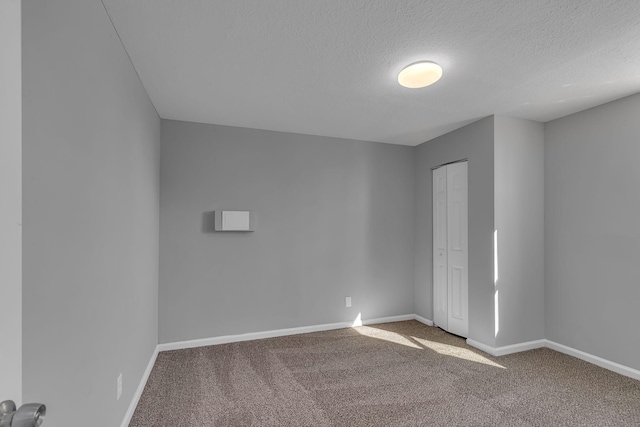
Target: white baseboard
(480, 346)
(423, 320)
(599, 361)
(389, 319)
(507, 349)
(136, 397)
(225, 339)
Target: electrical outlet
(347, 301)
(119, 387)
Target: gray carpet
(396, 374)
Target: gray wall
(592, 231)
(10, 201)
(334, 219)
(475, 143)
(519, 225)
(91, 196)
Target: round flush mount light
(420, 74)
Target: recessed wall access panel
(234, 221)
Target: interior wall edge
(11, 159)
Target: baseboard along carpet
(394, 374)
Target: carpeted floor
(396, 374)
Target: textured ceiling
(329, 67)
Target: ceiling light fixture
(420, 74)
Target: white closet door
(458, 249)
(451, 249)
(440, 286)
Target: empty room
(319, 213)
